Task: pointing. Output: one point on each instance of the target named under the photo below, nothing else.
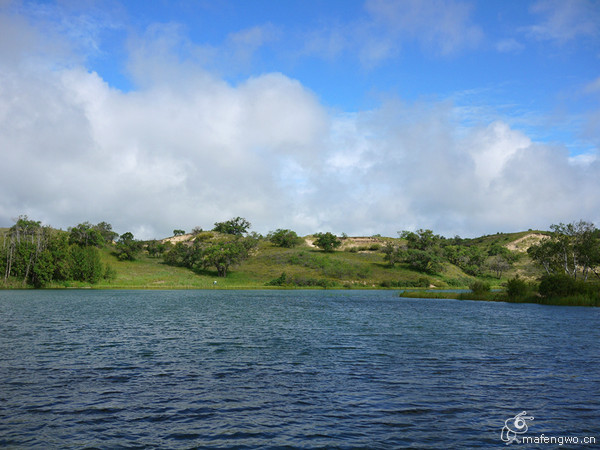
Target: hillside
(358, 263)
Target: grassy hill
(359, 263)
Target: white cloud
(186, 148)
(440, 25)
(565, 20)
(509, 46)
(592, 87)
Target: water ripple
(308, 369)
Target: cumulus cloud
(186, 148)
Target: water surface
(185, 369)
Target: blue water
(186, 369)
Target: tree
(155, 248)
(127, 247)
(43, 271)
(58, 246)
(392, 253)
(423, 261)
(23, 244)
(237, 226)
(178, 255)
(85, 234)
(106, 231)
(86, 264)
(572, 249)
(328, 242)
(223, 254)
(205, 253)
(423, 240)
(178, 232)
(284, 238)
(498, 264)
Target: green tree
(178, 255)
(423, 240)
(222, 255)
(423, 261)
(237, 226)
(178, 232)
(86, 264)
(22, 246)
(59, 248)
(328, 242)
(155, 247)
(392, 253)
(106, 231)
(127, 247)
(284, 238)
(203, 254)
(43, 271)
(498, 264)
(572, 249)
(85, 234)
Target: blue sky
(467, 117)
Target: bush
(557, 286)
(517, 289)
(480, 287)
(284, 238)
(328, 242)
(279, 281)
(564, 286)
(109, 273)
(302, 281)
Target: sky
(357, 117)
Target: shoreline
(423, 294)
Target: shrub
(328, 242)
(424, 282)
(516, 288)
(279, 281)
(480, 287)
(284, 238)
(564, 286)
(557, 286)
(109, 273)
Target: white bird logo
(513, 427)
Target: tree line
(33, 254)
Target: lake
(247, 369)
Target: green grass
(341, 269)
(576, 300)
(304, 266)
